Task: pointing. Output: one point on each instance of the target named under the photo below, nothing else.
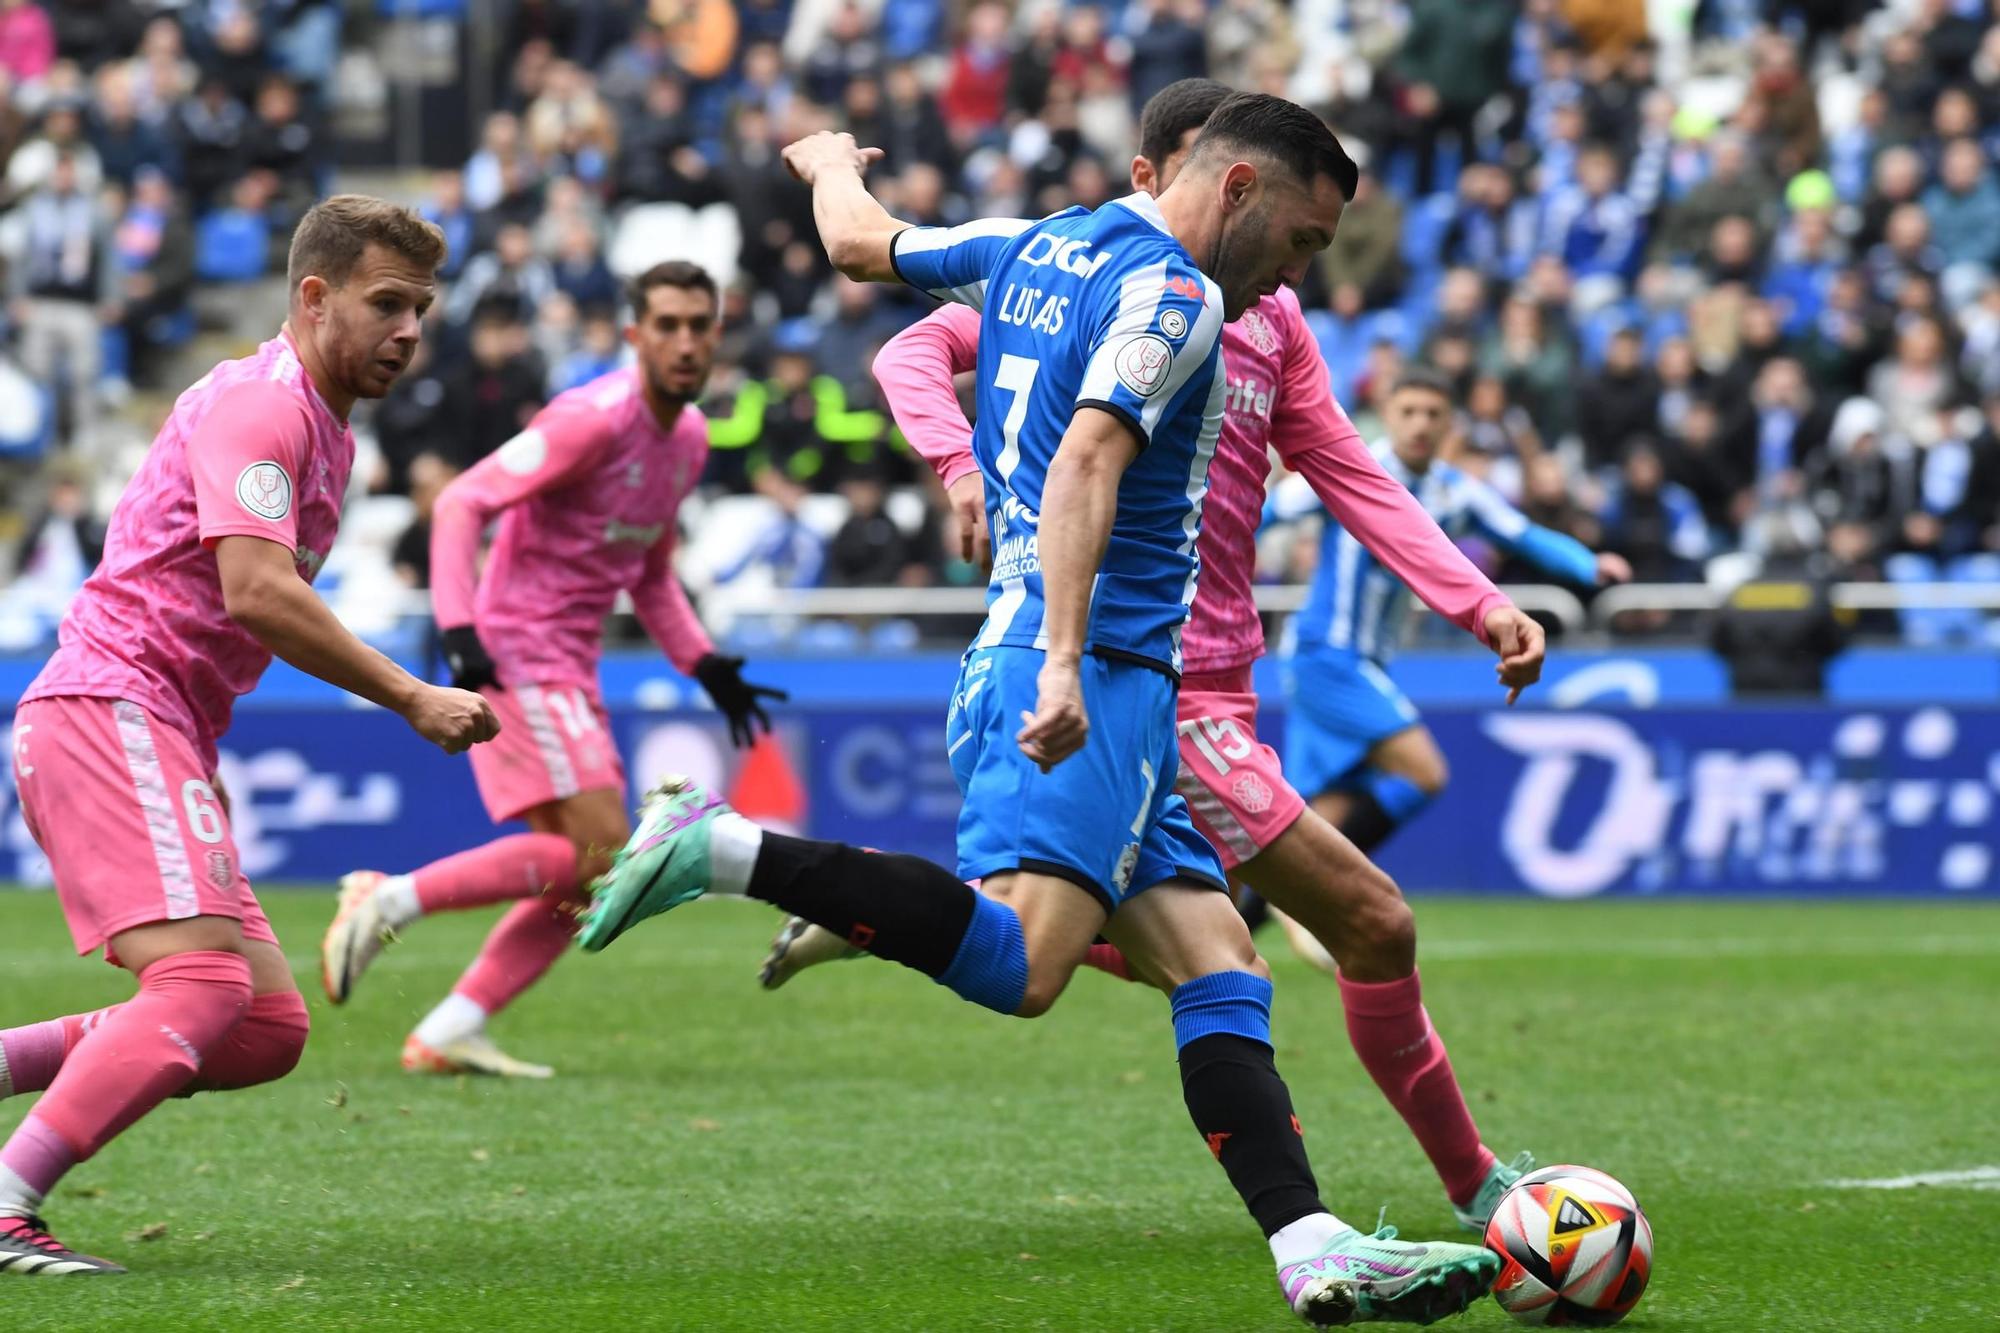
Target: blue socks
(991, 965)
(1236, 1004)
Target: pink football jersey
(587, 497)
(1277, 396)
(251, 450)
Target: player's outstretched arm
(663, 607)
(1079, 502)
(915, 369)
(262, 592)
(853, 226)
(1316, 440)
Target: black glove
(471, 668)
(722, 677)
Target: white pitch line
(1978, 1178)
(1916, 946)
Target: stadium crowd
(1723, 286)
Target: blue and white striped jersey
(1087, 309)
(1356, 606)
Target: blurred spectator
(846, 50)
(279, 142)
(446, 209)
(1491, 229)
(785, 550)
(1778, 631)
(849, 338)
(1168, 44)
(1734, 188)
(499, 388)
(60, 136)
(421, 414)
(869, 550)
(1915, 382)
(1701, 463)
(66, 280)
(1452, 62)
(1964, 212)
(511, 274)
(569, 128)
(162, 75)
(27, 40)
(60, 547)
(123, 141)
(598, 351)
(580, 271)
(1593, 226)
(411, 555)
(1367, 248)
(913, 126)
(209, 130)
(975, 91)
(1618, 404)
(1860, 491)
(1653, 522)
(155, 248)
(1536, 368)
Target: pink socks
(31, 1055)
(521, 865)
(520, 949)
(139, 1054)
(1106, 958)
(264, 1047)
(1405, 1056)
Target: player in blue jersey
(1353, 743)
(1100, 402)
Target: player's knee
(1429, 773)
(1045, 986)
(1385, 929)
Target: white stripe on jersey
(1340, 626)
(1197, 487)
(921, 240)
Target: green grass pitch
(862, 1151)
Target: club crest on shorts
(1252, 793)
(265, 490)
(220, 872)
(1128, 861)
(1143, 364)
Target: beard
(1234, 263)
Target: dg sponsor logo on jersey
(265, 490)
(1143, 364)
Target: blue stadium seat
(230, 245)
(1929, 626)
(1424, 224)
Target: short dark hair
(1424, 378)
(334, 232)
(670, 273)
(1183, 105)
(1271, 127)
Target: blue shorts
(1107, 818)
(1342, 706)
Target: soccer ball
(1574, 1245)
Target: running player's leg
(1052, 865)
(1401, 774)
(554, 747)
(1187, 935)
(1353, 913)
(523, 944)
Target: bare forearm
(298, 627)
(1080, 500)
(854, 226)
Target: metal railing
(1615, 601)
(1559, 604)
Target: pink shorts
(1232, 781)
(129, 819)
(554, 742)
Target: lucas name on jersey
(1032, 309)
